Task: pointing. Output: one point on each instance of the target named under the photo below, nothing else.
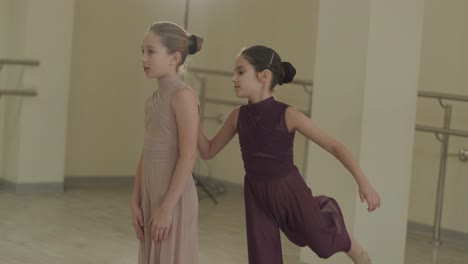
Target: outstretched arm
(209, 148)
(296, 120)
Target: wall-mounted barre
(20, 62)
(228, 74)
(18, 92)
(441, 96)
(445, 131)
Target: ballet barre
(445, 131)
(17, 92)
(18, 62)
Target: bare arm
(209, 148)
(185, 106)
(296, 120)
(136, 195)
(137, 216)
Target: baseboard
(426, 230)
(98, 181)
(40, 187)
(445, 234)
(229, 185)
(115, 181)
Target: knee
(324, 252)
(323, 248)
(326, 249)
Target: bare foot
(357, 254)
(364, 258)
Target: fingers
(362, 197)
(154, 233)
(166, 233)
(138, 223)
(138, 229)
(373, 202)
(377, 200)
(139, 232)
(140, 219)
(160, 234)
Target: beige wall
(11, 105)
(35, 128)
(444, 65)
(105, 126)
(10, 78)
(226, 35)
(4, 23)
(108, 87)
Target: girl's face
(155, 57)
(246, 79)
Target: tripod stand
(200, 183)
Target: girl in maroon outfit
(276, 196)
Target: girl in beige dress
(164, 200)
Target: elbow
(206, 156)
(337, 149)
(205, 152)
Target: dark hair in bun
(288, 73)
(262, 58)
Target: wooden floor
(93, 226)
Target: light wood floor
(93, 226)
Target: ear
(176, 58)
(265, 76)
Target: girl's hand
(368, 193)
(161, 222)
(137, 218)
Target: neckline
(262, 105)
(167, 86)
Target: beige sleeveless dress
(160, 153)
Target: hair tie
(193, 45)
